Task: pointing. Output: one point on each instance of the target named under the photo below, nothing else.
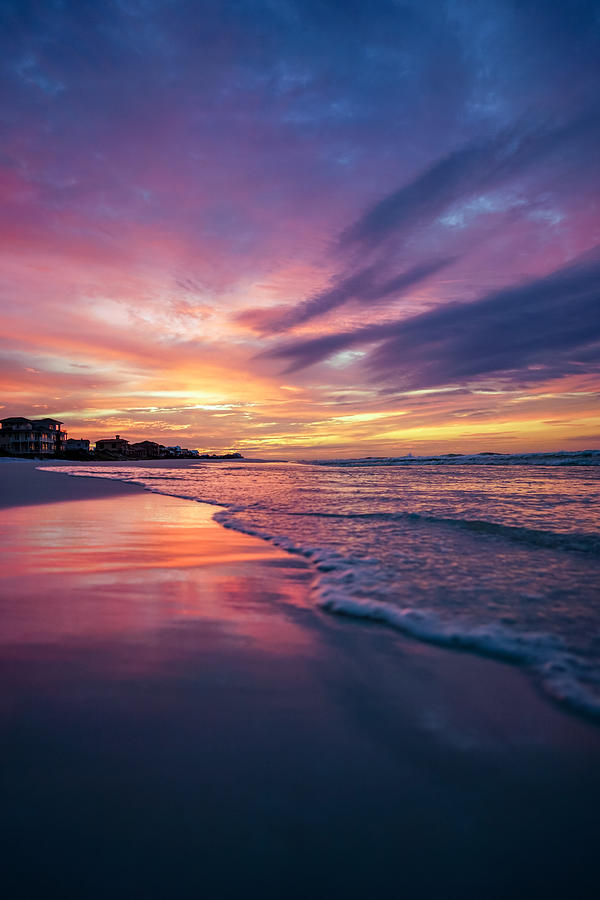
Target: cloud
(479, 165)
(365, 286)
(544, 328)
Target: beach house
(113, 445)
(77, 444)
(146, 450)
(31, 437)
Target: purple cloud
(480, 165)
(365, 286)
(546, 327)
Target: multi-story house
(113, 445)
(146, 449)
(31, 437)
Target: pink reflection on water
(138, 565)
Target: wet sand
(177, 720)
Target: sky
(302, 227)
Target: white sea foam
(340, 587)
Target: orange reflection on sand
(137, 564)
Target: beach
(180, 719)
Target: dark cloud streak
(543, 328)
(363, 286)
(481, 165)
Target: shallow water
(499, 560)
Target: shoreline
(38, 491)
(551, 674)
(172, 696)
(24, 484)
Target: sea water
(499, 557)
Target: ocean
(498, 556)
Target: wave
(558, 671)
(580, 542)
(558, 458)
(340, 587)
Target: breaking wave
(344, 586)
(560, 458)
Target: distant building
(146, 449)
(113, 445)
(235, 454)
(31, 437)
(77, 444)
(181, 452)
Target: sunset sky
(301, 227)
